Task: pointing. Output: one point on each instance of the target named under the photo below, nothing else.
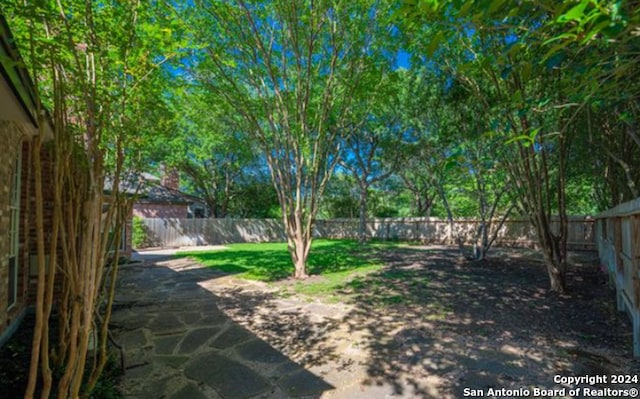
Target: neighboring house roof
(130, 185)
(17, 92)
(149, 177)
(149, 190)
(157, 194)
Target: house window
(14, 232)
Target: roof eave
(17, 92)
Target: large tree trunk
(212, 205)
(299, 260)
(298, 243)
(554, 250)
(480, 245)
(453, 235)
(556, 268)
(538, 189)
(362, 225)
(557, 277)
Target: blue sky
(403, 60)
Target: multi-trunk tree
(498, 67)
(292, 71)
(93, 65)
(551, 76)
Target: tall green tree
(431, 150)
(370, 151)
(499, 67)
(292, 71)
(341, 197)
(476, 156)
(92, 65)
(594, 44)
(211, 147)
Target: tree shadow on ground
(180, 344)
(436, 324)
(298, 334)
(427, 325)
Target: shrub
(138, 233)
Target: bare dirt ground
(431, 324)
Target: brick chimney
(170, 178)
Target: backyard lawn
(332, 264)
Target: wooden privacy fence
(187, 232)
(515, 232)
(618, 242)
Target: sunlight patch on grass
(335, 260)
(332, 282)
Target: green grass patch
(333, 282)
(339, 269)
(335, 260)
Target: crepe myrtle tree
(292, 71)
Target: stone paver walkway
(180, 345)
(429, 329)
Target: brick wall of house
(11, 136)
(164, 211)
(25, 225)
(29, 243)
(16, 142)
